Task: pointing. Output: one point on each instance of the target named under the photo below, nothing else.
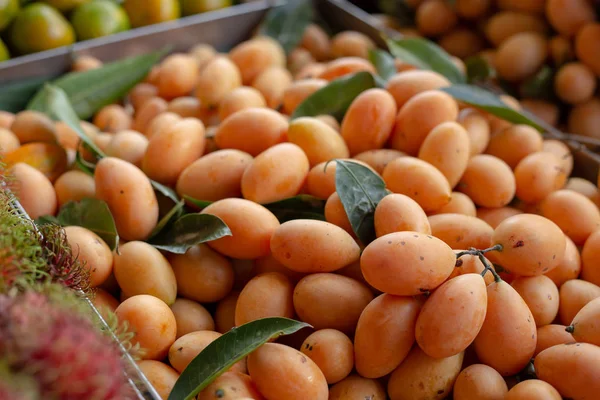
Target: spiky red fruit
(64, 352)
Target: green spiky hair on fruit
(30, 253)
(44, 340)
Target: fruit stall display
(31, 26)
(304, 216)
(543, 52)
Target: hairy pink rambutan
(63, 351)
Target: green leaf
(399, 9)
(299, 207)
(228, 349)
(539, 86)
(198, 203)
(478, 69)
(335, 98)
(84, 165)
(287, 23)
(165, 191)
(169, 217)
(384, 62)
(89, 91)
(188, 231)
(53, 101)
(47, 220)
(425, 54)
(488, 101)
(360, 190)
(92, 214)
(14, 96)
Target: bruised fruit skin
(281, 372)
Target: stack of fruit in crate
(428, 239)
(544, 52)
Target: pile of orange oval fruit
(400, 317)
(520, 38)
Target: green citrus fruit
(40, 27)
(8, 11)
(65, 5)
(4, 55)
(99, 18)
(148, 12)
(189, 7)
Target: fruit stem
(471, 252)
(570, 328)
(488, 267)
(496, 247)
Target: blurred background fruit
(8, 11)
(148, 12)
(4, 54)
(65, 5)
(99, 18)
(546, 53)
(39, 27)
(189, 7)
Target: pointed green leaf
(335, 98)
(488, 101)
(84, 165)
(89, 91)
(383, 62)
(299, 207)
(425, 54)
(228, 349)
(92, 214)
(198, 203)
(53, 101)
(479, 70)
(360, 190)
(14, 96)
(47, 220)
(287, 23)
(165, 191)
(188, 231)
(169, 217)
(539, 86)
